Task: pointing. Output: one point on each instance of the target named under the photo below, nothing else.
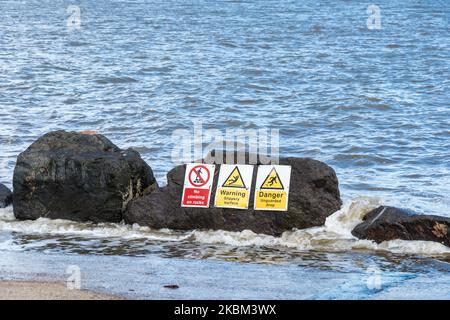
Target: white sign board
(198, 181)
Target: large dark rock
(313, 196)
(5, 196)
(76, 176)
(389, 223)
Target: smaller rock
(390, 223)
(5, 196)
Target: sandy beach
(26, 290)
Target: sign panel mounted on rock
(272, 187)
(197, 185)
(233, 188)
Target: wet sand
(27, 290)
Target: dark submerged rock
(313, 196)
(389, 223)
(5, 196)
(76, 176)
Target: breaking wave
(334, 236)
(100, 230)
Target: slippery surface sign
(272, 188)
(233, 188)
(197, 185)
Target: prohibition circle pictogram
(199, 176)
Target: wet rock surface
(80, 177)
(313, 196)
(390, 223)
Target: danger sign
(233, 188)
(197, 185)
(272, 188)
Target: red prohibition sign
(196, 170)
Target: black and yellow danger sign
(272, 188)
(235, 182)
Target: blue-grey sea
(372, 101)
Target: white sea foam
(100, 230)
(335, 235)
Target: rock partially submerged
(5, 196)
(390, 223)
(313, 196)
(75, 176)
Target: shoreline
(37, 290)
(154, 277)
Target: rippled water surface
(373, 104)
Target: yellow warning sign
(271, 200)
(232, 198)
(272, 188)
(272, 181)
(235, 182)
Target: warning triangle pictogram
(272, 181)
(234, 180)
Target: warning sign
(234, 185)
(272, 188)
(272, 181)
(197, 185)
